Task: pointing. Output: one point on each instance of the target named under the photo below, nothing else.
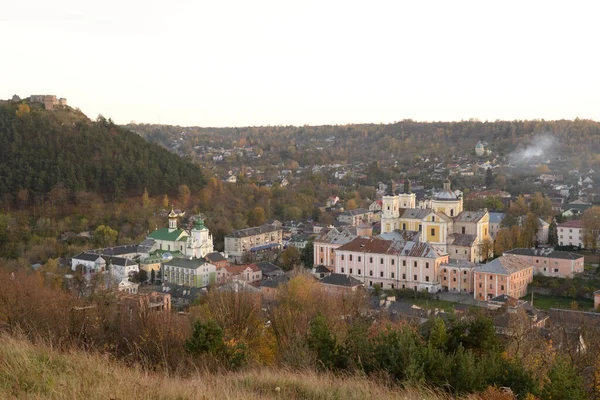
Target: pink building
(508, 275)
(457, 276)
(326, 244)
(561, 264)
(391, 263)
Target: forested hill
(41, 149)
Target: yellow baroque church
(441, 222)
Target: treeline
(402, 140)
(304, 329)
(42, 149)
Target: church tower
(202, 240)
(407, 199)
(172, 221)
(391, 210)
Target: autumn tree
(351, 204)
(145, 199)
(531, 225)
(591, 228)
(165, 201)
(184, 195)
(257, 216)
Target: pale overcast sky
(238, 63)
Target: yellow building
(443, 223)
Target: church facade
(441, 222)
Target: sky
(286, 62)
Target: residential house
(340, 284)
(254, 240)
(561, 264)
(127, 286)
(195, 273)
(270, 286)
(356, 217)
(88, 262)
(376, 205)
(570, 233)
(249, 273)
(269, 270)
(320, 271)
(326, 244)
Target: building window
(404, 227)
(381, 274)
(444, 270)
(479, 284)
(392, 275)
(453, 279)
(381, 261)
(359, 271)
(371, 273)
(350, 257)
(403, 276)
(490, 285)
(432, 231)
(415, 264)
(371, 260)
(452, 212)
(444, 278)
(415, 278)
(342, 257)
(392, 261)
(371, 282)
(392, 285)
(426, 265)
(501, 287)
(342, 270)
(427, 279)
(464, 272)
(359, 258)
(555, 269)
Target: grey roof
(118, 250)
(334, 236)
(321, 269)
(399, 235)
(87, 256)
(146, 246)
(124, 262)
(462, 239)
(257, 230)
(341, 280)
(446, 195)
(215, 257)
(183, 263)
(416, 213)
(470, 216)
(275, 281)
(496, 217)
(269, 269)
(549, 253)
(504, 265)
(357, 211)
(452, 263)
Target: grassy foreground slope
(29, 371)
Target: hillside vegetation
(39, 371)
(42, 149)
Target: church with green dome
(194, 243)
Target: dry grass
(35, 371)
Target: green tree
(207, 337)
(140, 276)
(105, 236)
(563, 382)
(308, 254)
(290, 258)
(489, 177)
(553, 233)
(321, 341)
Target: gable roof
(399, 234)
(341, 280)
(376, 245)
(215, 257)
(496, 217)
(238, 269)
(275, 281)
(269, 268)
(504, 265)
(164, 234)
(577, 223)
(85, 256)
(462, 239)
(123, 262)
(334, 236)
(416, 213)
(470, 216)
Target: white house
(570, 233)
(89, 262)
